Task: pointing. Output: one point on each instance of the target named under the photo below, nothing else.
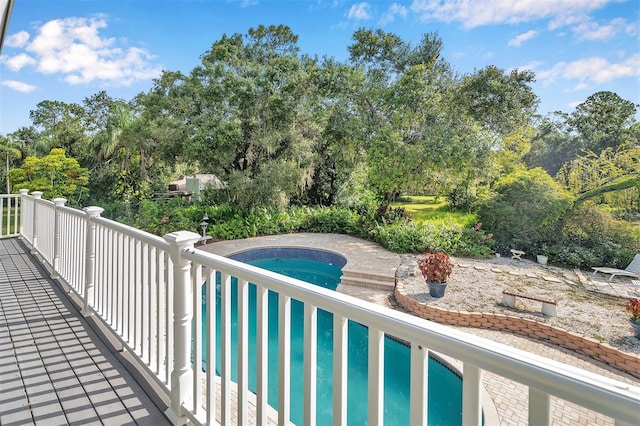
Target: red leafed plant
(435, 267)
(633, 308)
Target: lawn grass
(429, 209)
(7, 222)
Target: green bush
(390, 228)
(451, 239)
(331, 220)
(527, 207)
(593, 237)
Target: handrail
(596, 392)
(146, 289)
(9, 215)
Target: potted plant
(633, 308)
(543, 258)
(436, 268)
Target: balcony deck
(54, 369)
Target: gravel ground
(476, 285)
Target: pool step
(369, 280)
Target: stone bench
(516, 254)
(549, 307)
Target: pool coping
(367, 263)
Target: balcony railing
(147, 289)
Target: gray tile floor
(54, 370)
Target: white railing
(148, 290)
(9, 215)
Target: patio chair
(633, 270)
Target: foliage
(526, 207)
(592, 237)
(633, 308)
(452, 239)
(332, 220)
(56, 175)
(435, 267)
(9, 150)
(498, 101)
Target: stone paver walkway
(54, 370)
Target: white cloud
(75, 48)
(18, 86)
(476, 13)
(394, 10)
(591, 70)
(359, 11)
(17, 62)
(590, 30)
(518, 40)
(531, 66)
(18, 39)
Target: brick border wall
(627, 362)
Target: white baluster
(90, 257)
(340, 360)
(57, 202)
(34, 242)
(284, 359)
(243, 351)
(539, 407)
(310, 363)
(419, 385)
(262, 352)
(472, 395)
(376, 377)
(182, 375)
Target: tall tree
(603, 121)
(501, 102)
(9, 149)
(246, 114)
(410, 128)
(62, 126)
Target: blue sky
(67, 50)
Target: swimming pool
(445, 387)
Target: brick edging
(623, 361)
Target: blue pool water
(445, 387)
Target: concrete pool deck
(369, 266)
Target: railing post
(23, 195)
(58, 202)
(182, 374)
(34, 240)
(90, 257)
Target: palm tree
(9, 149)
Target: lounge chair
(633, 270)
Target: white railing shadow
(147, 289)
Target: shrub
(593, 237)
(526, 207)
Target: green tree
(9, 150)
(411, 132)
(526, 208)
(603, 121)
(245, 114)
(501, 102)
(55, 174)
(61, 126)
